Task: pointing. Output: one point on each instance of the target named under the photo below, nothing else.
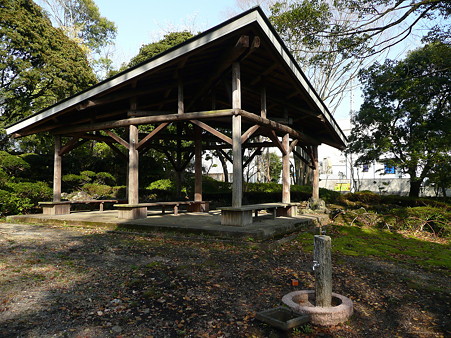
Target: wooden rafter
(223, 65)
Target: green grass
(367, 241)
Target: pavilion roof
(203, 65)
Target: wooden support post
(286, 169)
(198, 164)
(237, 184)
(181, 106)
(315, 184)
(57, 170)
(323, 271)
(133, 164)
(263, 102)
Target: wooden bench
(63, 207)
(135, 211)
(241, 216)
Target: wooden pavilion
(234, 83)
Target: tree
(332, 40)
(405, 118)
(327, 60)
(81, 21)
(152, 49)
(39, 65)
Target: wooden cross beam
(72, 144)
(248, 133)
(144, 120)
(117, 138)
(154, 132)
(213, 131)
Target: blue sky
(143, 21)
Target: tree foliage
(152, 49)
(405, 118)
(327, 60)
(81, 21)
(332, 40)
(39, 65)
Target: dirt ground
(75, 282)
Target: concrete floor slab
(264, 227)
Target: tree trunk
(224, 167)
(415, 188)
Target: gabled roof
(202, 64)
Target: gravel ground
(75, 282)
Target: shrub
(119, 191)
(73, 182)
(33, 191)
(210, 185)
(164, 184)
(3, 178)
(12, 164)
(88, 174)
(12, 204)
(436, 220)
(105, 178)
(98, 190)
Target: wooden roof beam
(144, 120)
(232, 55)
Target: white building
(338, 173)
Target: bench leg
(236, 218)
(163, 209)
(132, 213)
(274, 213)
(59, 209)
(256, 213)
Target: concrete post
(323, 270)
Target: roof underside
(203, 66)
